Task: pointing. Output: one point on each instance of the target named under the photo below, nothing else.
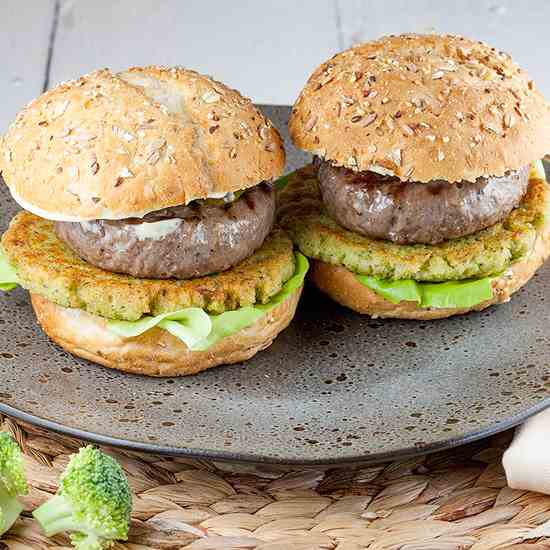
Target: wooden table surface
(265, 49)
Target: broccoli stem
(56, 515)
(10, 508)
(93, 503)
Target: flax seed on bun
(423, 107)
(113, 146)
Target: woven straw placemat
(446, 501)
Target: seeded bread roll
(423, 108)
(113, 146)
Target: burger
(426, 197)
(147, 240)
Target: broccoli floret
(12, 481)
(93, 502)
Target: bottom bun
(156, 352)
(343, 287)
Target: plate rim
(261, 458)
(227, 456)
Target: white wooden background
(264, 48)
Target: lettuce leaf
(228, 323)
(198, 330)
(457, 294)
(8, 275)
(190, 325)
(450, 294)
(405, 290)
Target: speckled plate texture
(334, 387)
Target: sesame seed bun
(156, 352)
(423, 107)
(343, 287)
(114, 146)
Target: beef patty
(181, 242)
(407, 212)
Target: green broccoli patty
(46, 266)
(487, 252)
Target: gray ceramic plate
(334, 387)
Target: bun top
(122, 145)
(423, 107)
